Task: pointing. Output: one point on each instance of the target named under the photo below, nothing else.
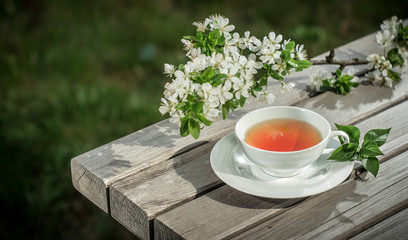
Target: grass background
(77, 74)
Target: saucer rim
(344, 170)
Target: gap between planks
(396, 139)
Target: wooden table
(161, 186)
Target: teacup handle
(339, 133)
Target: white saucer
(233, 167)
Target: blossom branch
(343, 63)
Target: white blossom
(374, 61)
(287, 87)
(211, 111)
(378, 78)
(316, 81)
(265, 95)
(255, 45)
(221, 23)
(404, 54)
(301, 53)
(216, 59)
(194, 53)
(279, 66)
(169, 69)
(188, 45)
(245, 41)
(225, 92)
(201, 27)
(233, 71)
(275, 40)
(375, 78)
(351, 72)
(175, 117)
(384, 38)
(387, 82)
(167, 105)
(231, 42)
(241, 88)
(391, 25)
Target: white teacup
(284, 164)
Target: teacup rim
(284, 152)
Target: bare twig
(343, 63)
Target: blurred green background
(77, 74)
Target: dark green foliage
(366, 153)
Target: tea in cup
(283, 140)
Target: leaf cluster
(208, 42)
(193, 109)
(210, 75)
(340, 83)
(366, 153)
(394, 55)
(288, 63)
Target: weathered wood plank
(149, 197)
(234, 201)
(151, 207)
(394, 227)
(212, 215)
(342, 213)
(397, 140)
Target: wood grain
(220, 215)
(394, 227)
(154, 170)
(344, 211)
(99, 168)
(150, 207)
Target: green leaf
(394, 75)
(354, 84)
(221, 41)
(353, 132)
(214, 34)
(338, 73)
(293, 63)
(328, 82)
(345, 152)
(218, 79)
(184, 128)
(194, 128)
(180, 67)
(302, 64)
(263, 81)
(345, 78)
(225, 111)
(191, 38)
(290, 46)
(190, 98)
(197, 107)
(370, 149)
(379, 136)
(275, 75)
(181, 106)
(203, 119)
(242, 101)
(395, 58)
(207, 74)
(285, 54)
(371, 164)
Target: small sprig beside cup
(366, 153)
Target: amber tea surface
(283, 135)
